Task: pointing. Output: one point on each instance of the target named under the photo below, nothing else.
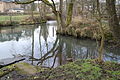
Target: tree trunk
(32, 9)
(99, 19)
(113, 20)
(69, 12)
(59, 16)
(61, 13)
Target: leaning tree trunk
(113, 19)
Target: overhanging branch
(25, 2)
(28, 2)
(47, 2)
(52, 5)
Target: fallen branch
(4, 65)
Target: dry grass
(87, 28)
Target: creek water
(48, 49)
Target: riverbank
(28, 20)
(75, 49)
(78, 70)
(87, 28)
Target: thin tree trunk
(100, 50)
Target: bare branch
(53, 4)
(47, 2)
(25, 2)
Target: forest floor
(77, 70)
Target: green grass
(21, 19)
(6, 70)
(14, 18)
(84, 70)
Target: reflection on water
(44, 47)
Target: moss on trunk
(69, 13)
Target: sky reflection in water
(54, 49)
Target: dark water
(42, 43)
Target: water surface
(48, 49)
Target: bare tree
(58, 13)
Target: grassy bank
(23, 19)
(13, 18)
(86, 28)
(6, 70)
(84, 70)
(78, 70)
(18, 20)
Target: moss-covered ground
(78, 70)
(82, 70)
(6, 70)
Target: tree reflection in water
(64, 49)
(48, 49)
(32, 44)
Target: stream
(48, 49)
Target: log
(12, 62)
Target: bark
(93, 8)
(59, 22)
(42, 11)
(62, 23)
(69, 12)
(32, 9)
(59, 14)
(100, 50)
(113, 19)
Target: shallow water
(41, 41)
